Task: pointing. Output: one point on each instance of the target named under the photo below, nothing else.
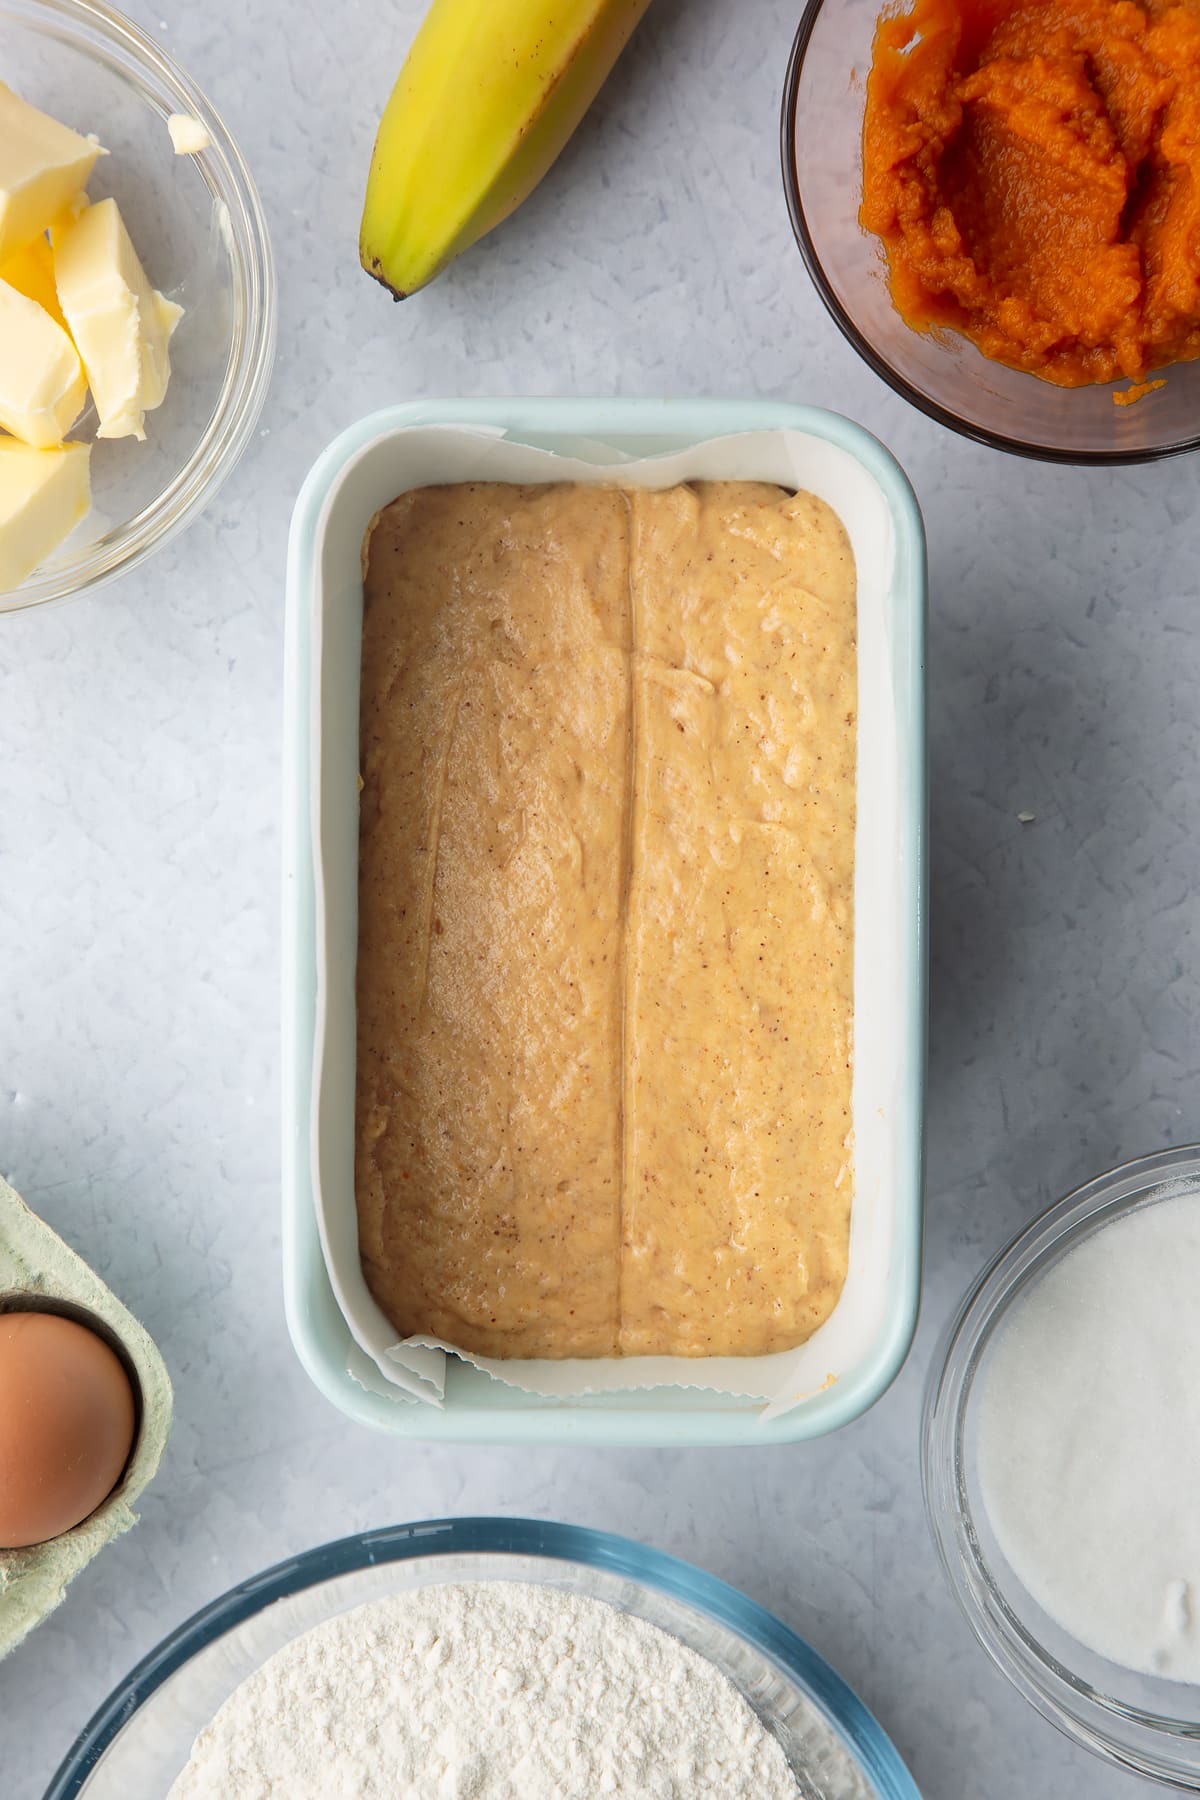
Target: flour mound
(486, 1691)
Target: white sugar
(1089, 1440)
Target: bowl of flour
(483, 1659)
(1062, 1464)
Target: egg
(67, 1424)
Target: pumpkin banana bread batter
(605, 974)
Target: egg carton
(38, 1270)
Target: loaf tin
(858, 1352)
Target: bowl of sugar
(1061, 1464)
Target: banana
(490, 93)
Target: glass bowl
(1143, 1723)
(941, 373)
(199, 229)
(143, 1734)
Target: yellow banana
(490, 93)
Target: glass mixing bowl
(1143, 1723)
(199, 229)
(942, 373)
(143, 1734)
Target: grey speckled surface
(139, 734)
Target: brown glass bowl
(942, 373)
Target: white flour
(489, 1691)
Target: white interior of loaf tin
(422, 455)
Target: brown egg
(66, 1425)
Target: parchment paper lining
(428, 454)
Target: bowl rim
(1066, 1700)
(932, 409)
(100, 30)
(515, 1537)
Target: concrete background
(139, 860)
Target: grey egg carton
(39, 1273)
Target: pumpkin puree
(1033, 169)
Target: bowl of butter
(137, 299)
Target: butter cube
(63, 220)
(31, 272)
(42, 166)
(120, 324)
(189, 136)
(42, 389)
(43, 496)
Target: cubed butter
(63, 220)
(43, 496)
(120, 324)
(42, 389)
(189, 136)
(31, 272)
(42, 165)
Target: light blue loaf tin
(348, 483)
